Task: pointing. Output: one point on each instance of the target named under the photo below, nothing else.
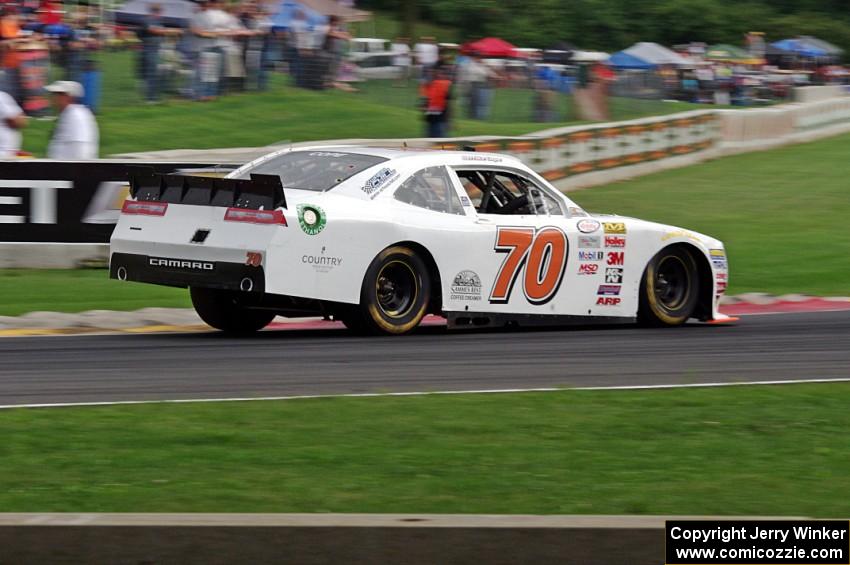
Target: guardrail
(332, 538)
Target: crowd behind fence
(234, 47)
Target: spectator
(10, 33)
(12, 120)
(401, 60)
(427, 55)
(151, 34)
(477, 78)
(437, 94)
(257, 44)
(75, 135)
(206, 57)
(336, 42)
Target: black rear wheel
(221, 310)
(669, 290)
(394, 296)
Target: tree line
(611, 25)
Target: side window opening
(500, 192)
(431, 189)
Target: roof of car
(394, 152)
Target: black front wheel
(669, 290)
(394, 296)
(221, 310)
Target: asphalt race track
(72, 369)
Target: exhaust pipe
(246, 285)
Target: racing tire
(669, 289)
(220, 309)
(394, 296)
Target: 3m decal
(588, 269)
(587, 226)
(589, 241)
(311, 218)
(540, 256)
(614, 227)
(590, 255)
(615, 258)
(613, 275)
(615, 241)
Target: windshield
(313, 170)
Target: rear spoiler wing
(259, 192)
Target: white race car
(378, 238)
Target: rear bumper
(176, 271)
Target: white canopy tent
(657, 54)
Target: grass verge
(781, 213)
(29, 290)
(779, 450)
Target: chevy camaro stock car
(378, 238)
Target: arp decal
(614, 227)
(608, 301)
(540, 256)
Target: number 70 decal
(540, 255)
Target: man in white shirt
(12, 119)
(75, 135)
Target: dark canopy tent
(175, 13)
(560, 53)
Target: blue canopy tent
(801, 48)
(623, 60)
(286, 11)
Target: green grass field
(778, 450)
(285, 113)
(782, 213)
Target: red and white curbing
(162, 320)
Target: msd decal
(588, 269)
(615, 241)
(615, 258)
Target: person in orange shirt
(437, 94)
(10, 31)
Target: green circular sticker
(311, 218)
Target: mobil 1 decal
(535, 256)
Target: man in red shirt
(437, 94)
